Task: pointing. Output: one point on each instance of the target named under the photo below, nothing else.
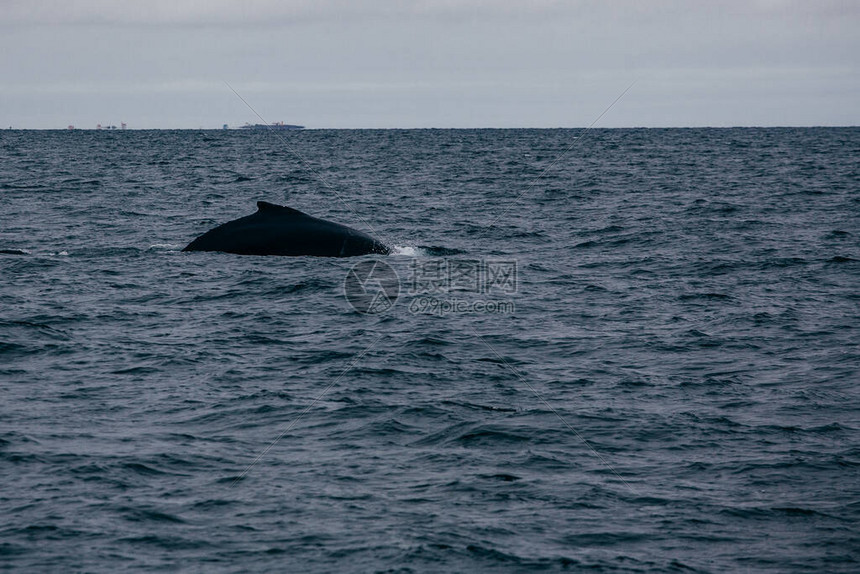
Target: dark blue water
(670, 385)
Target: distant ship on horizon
(272, 126)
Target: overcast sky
(429, 63)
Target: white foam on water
(407, 250)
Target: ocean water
(655, 369)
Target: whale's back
(281, 230)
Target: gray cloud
(429, 63)
(279, 12)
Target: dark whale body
(278, 230)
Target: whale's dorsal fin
(266, 207)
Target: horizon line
(240, 128)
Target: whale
(280, 230)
